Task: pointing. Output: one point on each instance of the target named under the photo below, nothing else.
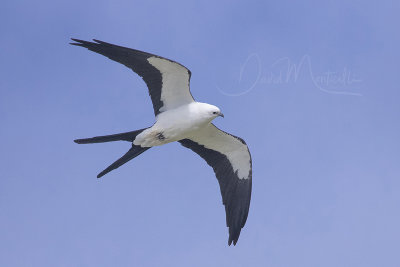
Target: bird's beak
(222, 115)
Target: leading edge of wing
(91, 45)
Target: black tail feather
(234, 233)
(128, 136)
(132, 153)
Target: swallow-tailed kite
(180, 118)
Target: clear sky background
(312, 86)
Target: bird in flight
(180, 118)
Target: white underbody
(174, 125)
(193, 121)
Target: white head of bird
(209, 112)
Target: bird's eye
(214, 112)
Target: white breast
(174, 125)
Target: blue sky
(312, 87)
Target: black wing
(230, 158)
(167, 80)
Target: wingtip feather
(82, 43)
(76, 41)
(230, 241)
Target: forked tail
(131, 154)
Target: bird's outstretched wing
(230, 158)
(167, 80)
